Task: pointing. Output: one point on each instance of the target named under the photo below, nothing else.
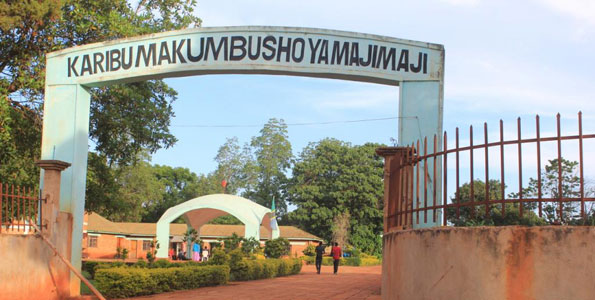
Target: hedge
(124, 282)
(345, 261)
(261, 269)
(92, 266)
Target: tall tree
(123, 193)
(332, 178)
(550, 181)
(476, 215)
(236, 166)
(179, 185)
(126, 119)
(272, 151)
(19, 145)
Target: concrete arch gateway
(416, 67)
(199, 211)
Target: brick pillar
(51, 192)
(56, 225)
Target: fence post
(51, 193)
(58, 225)
(397, 198)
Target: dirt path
(351, 283)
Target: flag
(273, 206)
(273, 217)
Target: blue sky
(504, 59)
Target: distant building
(101, 237)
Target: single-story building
(101, 237)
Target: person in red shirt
(336, 253)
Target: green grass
(84, 289)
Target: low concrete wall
(30, 270)
(484, 263)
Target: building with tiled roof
(101, 237)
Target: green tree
(179, 185)
(235, 165)
(20, 141)
(341, 228)
(126, 119)
(476, 215)
(233, 242)
(102, 194)
(332, 178)
(272, 152)
(570, 183)
(122, 193)
(138, 189)
(226, 220)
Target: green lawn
(84, 289)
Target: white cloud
(581, 10)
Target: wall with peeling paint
(512, 263)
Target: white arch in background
(201, 210)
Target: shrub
(310, 250)
(250, 246)
(233, 242)
(140, 264)
(346, 261)
(89, 267)
(124, 254)
(370, 261)
(150, 257)
(127, 282)
(162, 263)
(261, 269)
(219, 257)
(106, 265)
(238, 266)
(276, 248)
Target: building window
(92, 241)
(147, 245)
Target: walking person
(336, 253)
(319, 253)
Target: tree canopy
(272, 158)
(126, 119)
(333, 178)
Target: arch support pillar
(65, 137)
(420, 116)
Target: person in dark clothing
(319, 254)
(336, 253)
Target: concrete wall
(30, 270)
(511, 263)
